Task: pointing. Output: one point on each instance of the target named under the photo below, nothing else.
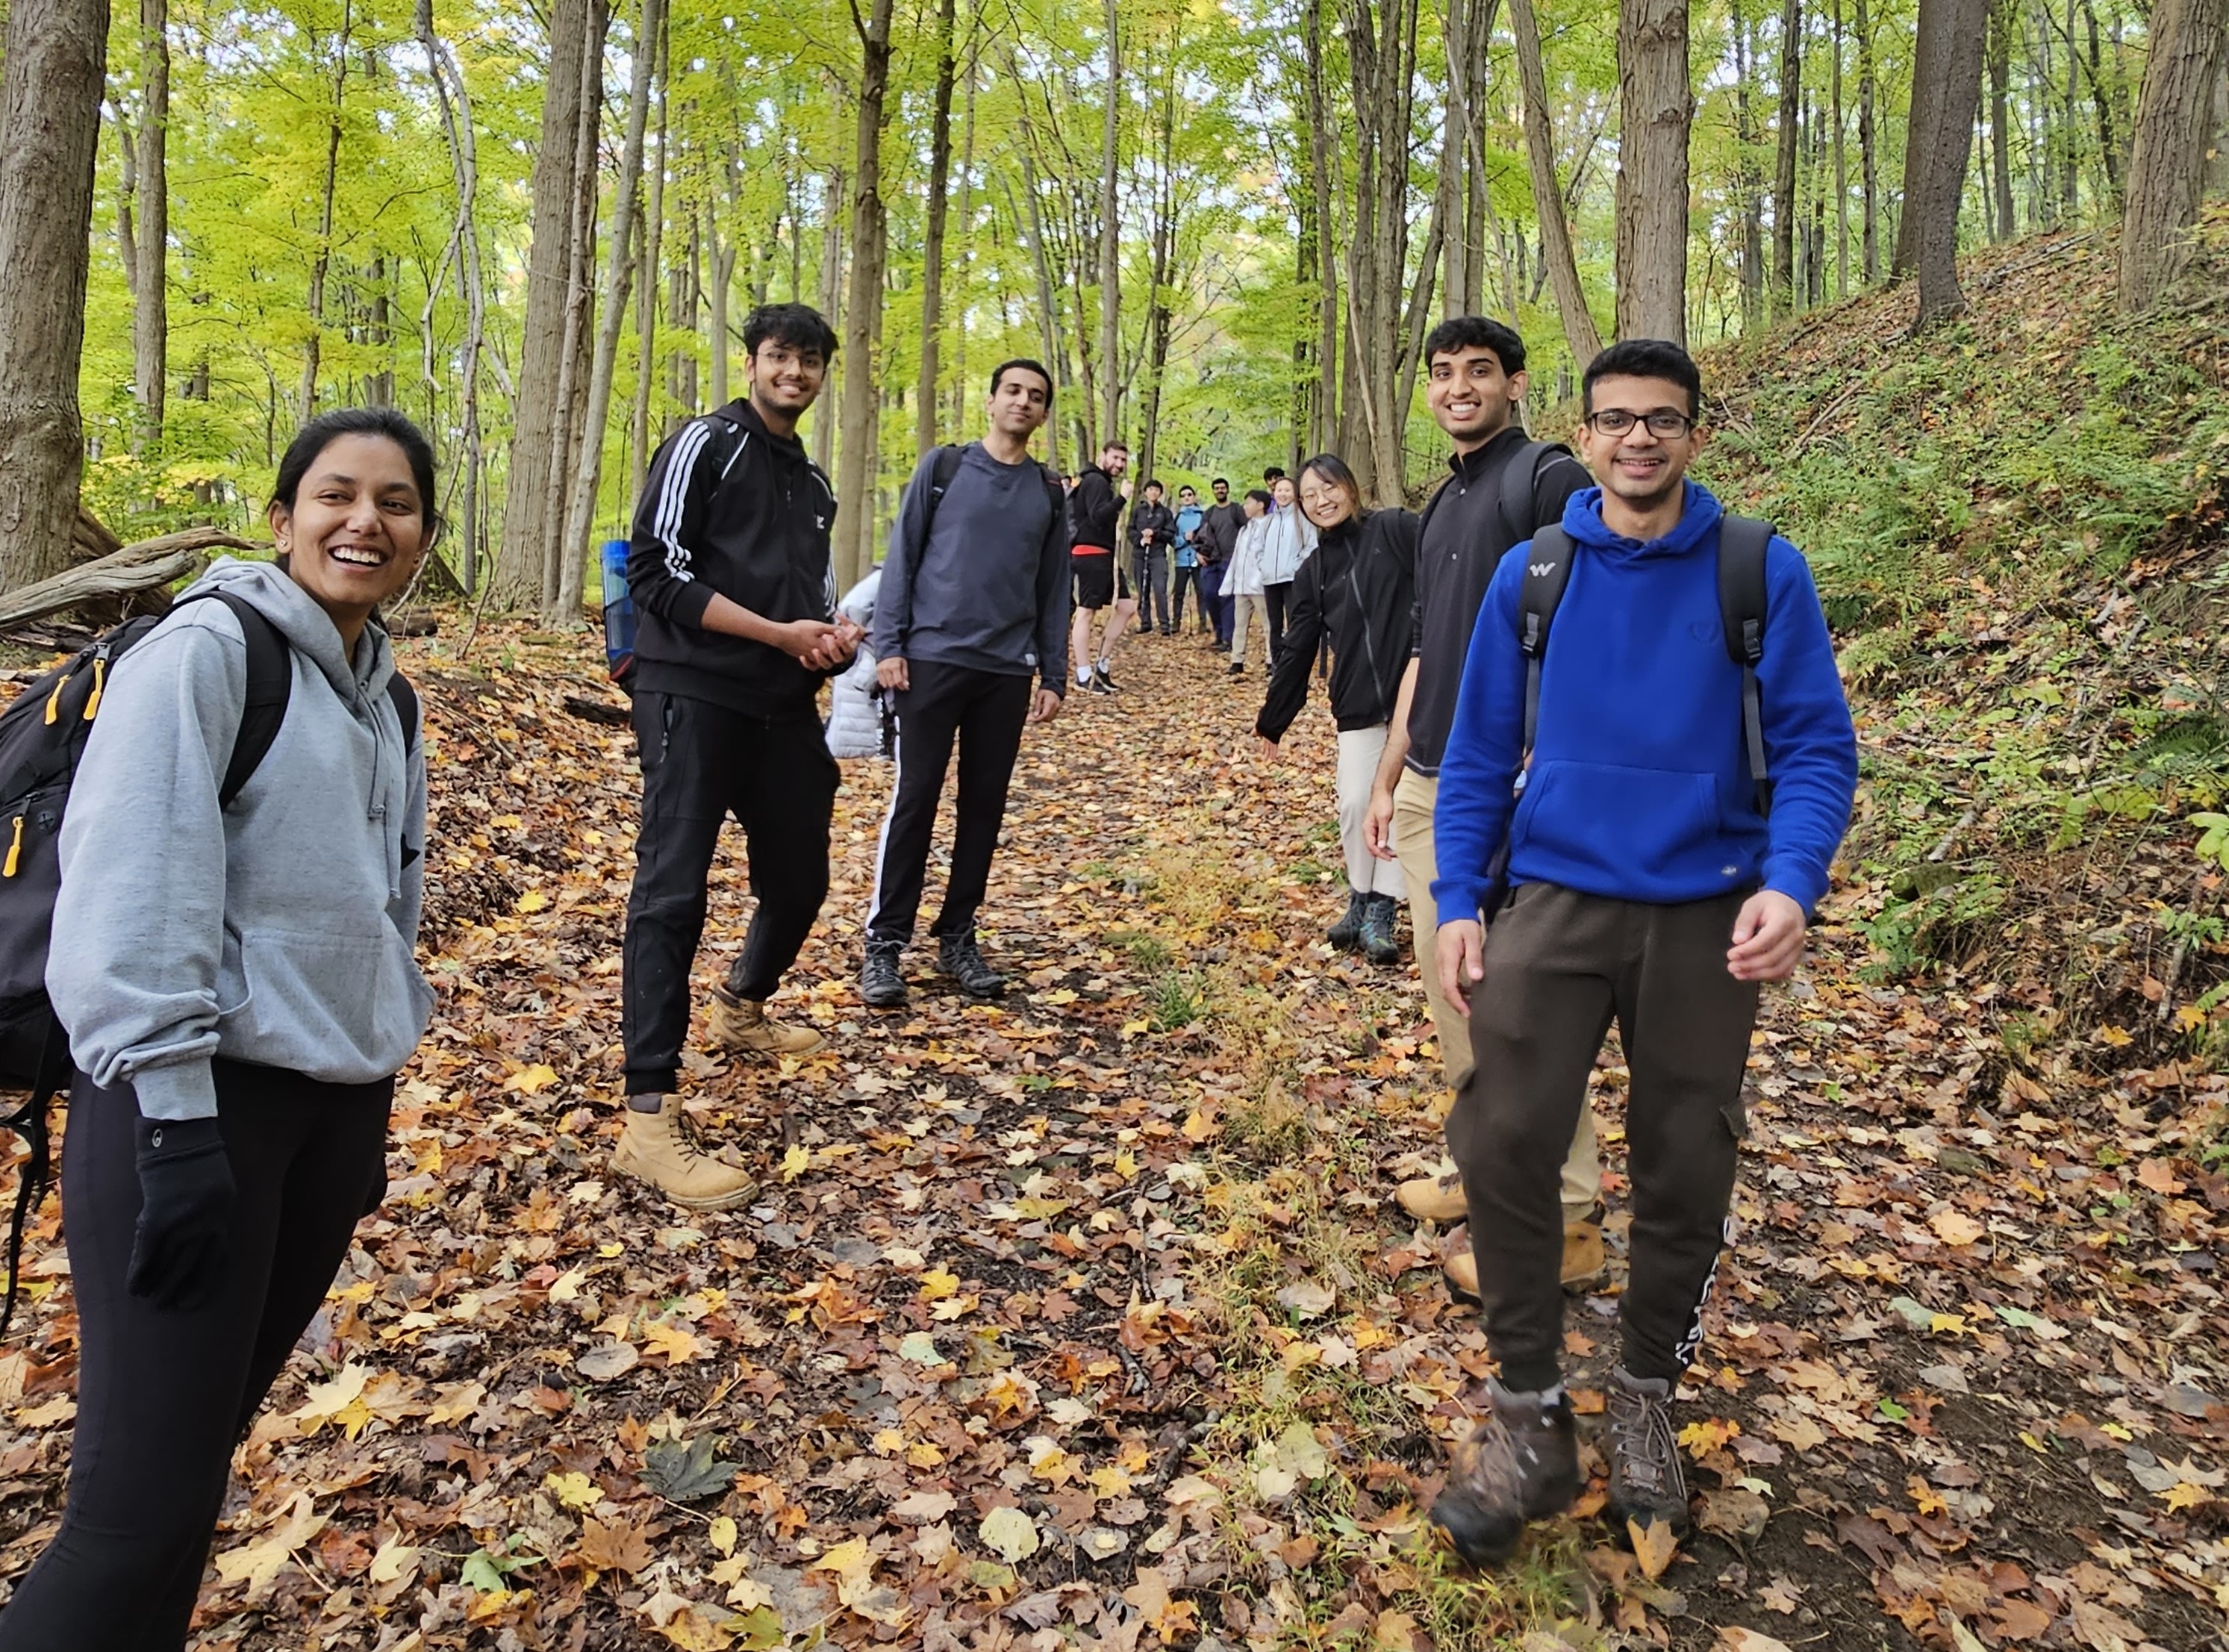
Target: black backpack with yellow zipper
(42, 739)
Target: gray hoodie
(281, 931)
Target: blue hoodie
(1638, 789)
(1189, 517)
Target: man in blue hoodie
(1649, 887)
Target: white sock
(1083, 677)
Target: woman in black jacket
(1358, 590)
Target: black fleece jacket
(1095, 509)
(729, 508)
(1359, 587)
(1162, 520)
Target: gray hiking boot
(1646, 1483)
(1346, 933)
(1521, 1464)
(958, 957)
(880, 984)
(1379, 915)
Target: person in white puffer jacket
(857, 727)
(1242, 582)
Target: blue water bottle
(619, 614)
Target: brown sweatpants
(1560, 967)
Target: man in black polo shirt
(1502, 487)
(728, 568)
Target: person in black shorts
(1095, 512)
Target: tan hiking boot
(1584, 1263)
(742, 1024)
(1434, 1199)
(661, 1149)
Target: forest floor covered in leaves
(1086, 1319)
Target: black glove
(178, 1251)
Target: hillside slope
(2017, 522)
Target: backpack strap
(31, 1122)
(943, 467)
(1547, 571)
(270, 685)
(1742, 544)
(1518, 504)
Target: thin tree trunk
(150, 289)
(1325, 409)
(1841, 167)
(1157, 309)
(2174, 122)
(1784, 213)
(645, 304)
(1454, 126)
(1032, 227)
(1655, 107)
(1110, 244)
(50, 91)
(455, 102)
(589, 461)
(2069, 183)
(2108, 146)
(2001, 226)
(580, 301)
(856, 462)
(827, 412)
(1868, 156)
(939, 185)
(1579, 331)
(720, 259)
(321, 260)
(966, 288)
(1748, 186)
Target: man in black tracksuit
(729, 570)
(1152, 537)
(1218, 539)
(973, 603)
(1094, 514)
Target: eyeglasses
(1616, 421)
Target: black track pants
(1559, 968)
(984, 711)
(164, 1395)
(701, 762)
(1279, 601)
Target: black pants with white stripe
(1560, 967)
(984, 713)
(701, 762)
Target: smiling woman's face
(357, 531)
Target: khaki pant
(1413, 800)
(1359, 750)
(1246, 612)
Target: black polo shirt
(1464, 541)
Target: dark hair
(322, 432)
(1262, 494)
(1645, 358)
(1153, 485)
(1476, 332)
(1113, 445)
(1334, 469)
(799, 325)
(1030, 365)
(1220, 481)
(1274, 473)
(1188, 488)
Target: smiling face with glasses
(1638, 437)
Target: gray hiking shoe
(1521, 1464)
(880, 983)
(958, 957)
(1379, 915)
(1346, 933)
(1645, 1483)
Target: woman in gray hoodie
(239, 983)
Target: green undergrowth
(2016, 522)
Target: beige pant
(1359, 750)
(1245, 611)
(1413, 800)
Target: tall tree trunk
(826, 413)
(1325, 245)
(939, 185)
(857, 464)
(150, 285)
(1841, 167)
(720, 259)
(1111, 242)
(1032, 224)
(1655, 109)
(2109, 144)
(1455, 127)
(1157, 309)
(50, 91)
(2069, 172)
(2175, 121)
(573, 365)
(1579, 331)
(1868, 151)
(531, 474)
(1945, 94)
(589, 461)
(321, 260)
(455, 102)
(967, 242)
(645, 304)
(1784, 213)
(2001, 226)
(1748, 187)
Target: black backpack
(43, 738)
(1742, 544)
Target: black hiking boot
(1521, 1464)
(1346, 933)
(1379, 917)
(1645, 1484)
(880, 983)
(958, 957)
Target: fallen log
(145, 566)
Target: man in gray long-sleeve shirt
(973, 603)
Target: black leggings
(165, 1396)
(1278, 599)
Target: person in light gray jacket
(856, 724)
(239, 983)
